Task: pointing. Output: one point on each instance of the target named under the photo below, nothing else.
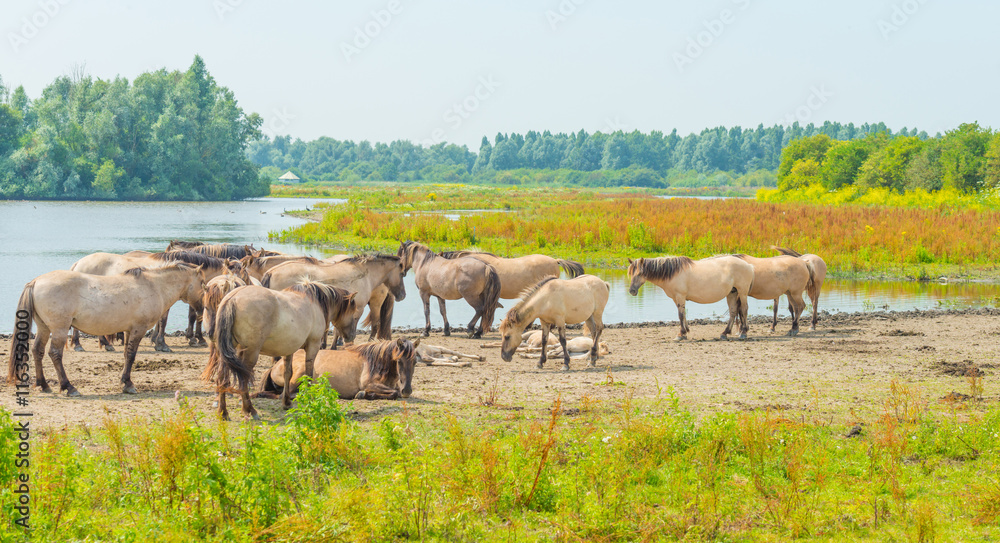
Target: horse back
(343, 369)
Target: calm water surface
(37, 237)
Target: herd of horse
(253, 302)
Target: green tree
(963, 152)
(842, 162)
(812, 148)
(887, 166)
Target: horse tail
(268, 389)
(787, 252)
(20, 346)
(232, 362)
(572, 267)
(383, 329)
(812, 277)
(490, 297)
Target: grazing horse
(379, 370)
(98, 304)
(519, 274)
(816, 280)
(463, 278)
(361, 274)
(704, 281)
(113, 264)
(557, 302)
(380, 308)
(255, 320)
(775, 276)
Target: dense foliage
(716, 156)
(165, 136)
(963, 161)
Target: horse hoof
(793, 333)
(743, 336)
(540, 365)
(812, 328)
(254, 416)
(680, 338)
(565, 367)
(202, 343)
(427, 333)
(193, 343)
(724, 337)
(78, 348)
(47, 389)
(129, 389)
(447, 332)
(72, 393)
(165, 349)
(592, 365)
(107, 348)
(482, 358)
(360, 395)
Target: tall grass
(621, 472)
(604, 231)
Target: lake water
(37, 237)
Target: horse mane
(664, 267)
(515, 312)
(364, 258)
(228, 250)
(378, 355)
(191, 257)
(451, 255)
(138, 271)
(785, 251)
(408, 247)
(178, 244)
(134, 272)
(332, 299)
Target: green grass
(629, 471)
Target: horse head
(635, 275)
(345, 322)
(510, 334)
(404, 353)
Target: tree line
(716, 155)
(966, 159)
(165, 136)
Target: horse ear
(630, 261)
(416, 342)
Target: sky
(433, 70)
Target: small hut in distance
(288, 178)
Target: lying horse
(557, 302)
(704, 281)
(254, 320)
(463, 278)
(519, 274)
(775, 276)
(815, 281)
(577, 347)
(379, 370)
(434, 355)
(100, 305)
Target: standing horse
(215, 291)
(519, 274)
(779, 275)
(255, 320)
(379, 370)
(463, 278)
(704, 281)
(557, 302)
(98, 304)
(380, 308)
(257, 265)
(361, 274)
(816, 280)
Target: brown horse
(215, 291)
(463, 278)
(557, 302)
(379, 370)
(98, 304)
(775, 276)
(704, 281)
(257, 265)
(255, 320)
(361, 274)
(519, 274)
(815, 282)
(380, 308)
(113, 264)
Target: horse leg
(159, 337)
(248, 410)
(681, 316)
(444, 315)
(132, 339)
(480, 316)
(815, 311)
(734, 313)
(743, 308)
(38, 352)
(189, 331)
(56, 354)
(774, 323)
(596, 325)
(426, 298)
(249, 359)
(286, 393)
(76, 340)
(223, 411)
(545, 337)
(796, 305)
(562, 341)
(194, 321)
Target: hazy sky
(431, 70)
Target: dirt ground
(840, 372)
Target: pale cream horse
(379, 370)
(777, 276)
(557, 302)
(815, 284)
(435, 355)
(521, 273)
(704, 281)
(99, 305)
(255, 320)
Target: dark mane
(191, 257)
(451, 255)
(785, 251)
(134, 272)
(363, 258)
(138, 271)
(409, 247)
(379, 356)
(664, 267)
(332, 299)
(178, 244)
(228, 250)
(515, 312)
